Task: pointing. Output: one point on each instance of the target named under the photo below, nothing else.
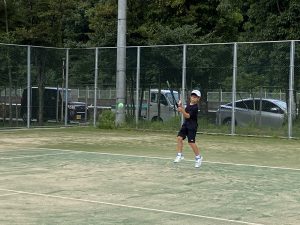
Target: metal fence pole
(67, 87)
(291, 89)
(234, 88)
(96, 86)
(137, 107)
(182, 97)
(28, 86)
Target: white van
(165, 110)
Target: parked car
(152, 111)
(53, 102)
(263, 112)
(166, 101)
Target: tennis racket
(172, 94)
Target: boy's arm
(184, 113)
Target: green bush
(106, 120)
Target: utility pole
(121, 64)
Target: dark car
(265, 112)
(54, 105)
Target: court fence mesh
(76, 86)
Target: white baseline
(164, 158)
(129, 206)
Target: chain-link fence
(74, 86)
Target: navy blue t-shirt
(192, 122)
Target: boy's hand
(179, 103)
(180, 109)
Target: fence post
(137, 107)
(182, 97)
(220, 103)
(96, 86)
(87, 97)
(234, 88)
(28, 85)
(291, 89)
(67, 87)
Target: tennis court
(90, 176)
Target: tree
(272, 20)
(103, 23)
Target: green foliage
(94, 23)
(103, 23)
(272, 20)
(179, 35)
(106, 120)
(84, 23)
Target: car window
(169, 96)
(266, 106)
(163, 100)
(249, 104)
(270, 107)
(153, 97)
(240, 105)
(244, 104)
(257, 104)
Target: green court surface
(89, 176)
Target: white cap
(196, 92)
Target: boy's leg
(179, 147)
(195, 148)
(191, 140)
(198, 157)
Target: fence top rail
(13, 44)
(151, 46)
(34, 46)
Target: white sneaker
(198, 162)
(178, 158)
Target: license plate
(78, 117)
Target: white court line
(9, 194)
(131, 206)
(30, 156)
(154, 157)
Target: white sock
(198, 157)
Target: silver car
(262, 112)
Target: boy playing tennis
(189, 128)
